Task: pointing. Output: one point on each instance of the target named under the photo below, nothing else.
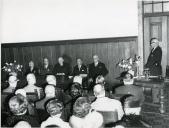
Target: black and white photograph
(84, 63)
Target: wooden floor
(152, 114)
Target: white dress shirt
(55, 120)
(91, 120)
(107, 104)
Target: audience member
(129, 88)
(22, 94)
(95, 69)
(77, 79)
(83, 116)
(54, 108)
(101, 80)
(31, 87)
(131, 105)
(18, 106)
(51, 80)
(76, 90)
(103, 103)
(22, 124)
(49, 93)
(31, 68)
(12, 84)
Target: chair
(32, 96)
(109, 116)
(5, 96)
(132, 105)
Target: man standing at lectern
(154, 59)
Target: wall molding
(67, 42)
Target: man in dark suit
(95, 69)
(62, 72)
(80, 68)
(32, 69)
(154, 59)
(129, 88)
(46, 67)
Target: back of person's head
(50, 91)
(54, 107)
(77, 79)
(20, 92)
(128, 79)
(12, 79)
(22, 124)
(18, 105)
(100, 80)
(99, 90)
(81, 107)
(76, 90)
(31, 79)
(51, 79)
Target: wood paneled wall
(109, 50)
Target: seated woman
(12, 84)
(54, 108)
(83, 117)
(19, 111)
(31, 87)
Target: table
(156, 85)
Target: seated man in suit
(32, 68)
(95, 69)
(46, 67)
(103, 103)
(80, 69)
(129, 88)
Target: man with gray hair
(154, 59)
(49, 93)
(95, 69)
(103, 103)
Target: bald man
(103, 103)
(95, 69)
(154, 59)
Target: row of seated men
(63, 73)
(75, 108)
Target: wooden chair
(5, 96)
(109, 116)
(32, 96)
